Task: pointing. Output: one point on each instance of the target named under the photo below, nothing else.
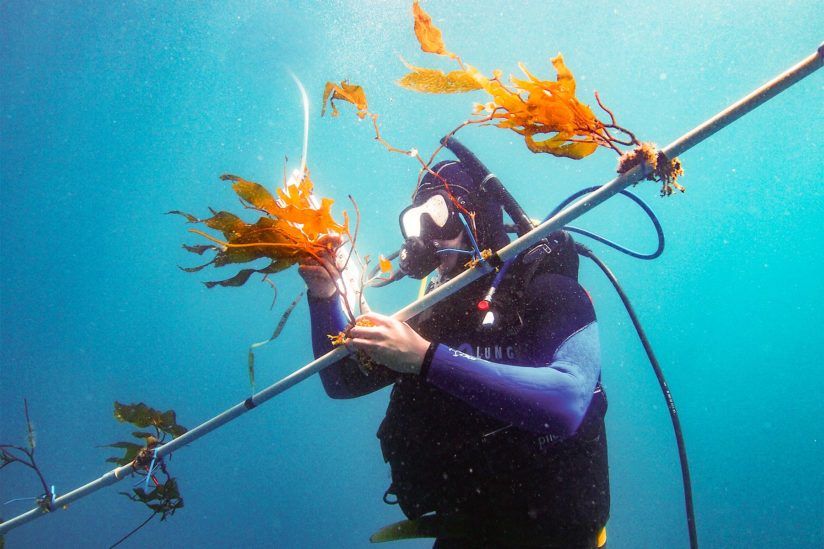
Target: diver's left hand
(389, 342)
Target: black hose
(489, 184)
(676, 422)
(394, 277)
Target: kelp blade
(425, 80)
(344, 91)
(131, 449)
(142, 415)
(428, 35)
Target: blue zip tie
(471, 236)
(149, 472)
(53, 497)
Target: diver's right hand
(319, 277)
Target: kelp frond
(290, 230)
(545, 112)
(160, 491)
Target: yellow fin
(427, 526)
(602, 537)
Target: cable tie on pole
(151, 468)
(249, 403)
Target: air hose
(637, 255)
(676, 422)
(489, 184)
(656, 366)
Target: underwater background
(116, 112)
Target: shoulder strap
(554, 254)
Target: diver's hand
(389, 342)
(318, 277)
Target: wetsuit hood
(466, 189)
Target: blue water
(114, 113)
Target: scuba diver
(495, 426)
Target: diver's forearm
(551, 398)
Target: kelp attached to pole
(564, 217)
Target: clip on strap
(390, 497)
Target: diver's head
(435, 220)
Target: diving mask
(434, 219)
(421, 226)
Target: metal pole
(570, 213)
(204, 428)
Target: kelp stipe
(24, 455)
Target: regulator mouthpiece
(417, 257)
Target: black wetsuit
(503, 435)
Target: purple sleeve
(345, 379)
(328, 318)
(551, 396)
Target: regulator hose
(676, 422)
(638, 255)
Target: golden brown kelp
(290, 230)
(545, 112)
(293, 226)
